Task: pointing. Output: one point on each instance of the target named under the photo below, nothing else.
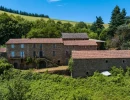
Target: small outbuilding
(85, 63)
(3, 52)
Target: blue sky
(74, 10)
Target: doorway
(15, 65)
(42, 64)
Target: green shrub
(4, 65)
(29, 60)
(115, 71)
(70, 64)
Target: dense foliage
(27, 85)
(4, 65)
(17, 27)
(22, 12)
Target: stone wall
(84, 67)
(47, 50)
(61, 57)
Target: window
(34, 53)
(22, 54)
(34, 46)
(41, 54)
(123, 61)
(54, 45)
(106, 61)
(67, 53)
(40, 46)
(54, 53)
(12, 54)
(22, 45)
(12, 45)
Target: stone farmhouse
(47, 52)
(85, 63)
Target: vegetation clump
(4, 65)
(27, 85)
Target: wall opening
(123, 61)
(106, 61)
(15, 65)
(87, 73)
(58, 62)
(42, 64)
(40, 54)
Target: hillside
(30, 18)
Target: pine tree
(97, 26)
(117, 19)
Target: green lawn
(30, 18)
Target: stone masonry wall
(47, 50)
(84, 67)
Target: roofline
(100, 58)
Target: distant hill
(30, 18)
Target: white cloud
(53, 0)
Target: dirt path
(60, 68)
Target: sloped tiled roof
(80, 42)
(75, 36)
(2, 49)
(35, 40)
(94, 54)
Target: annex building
(86, 62)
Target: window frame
(41, 46)
(22, 54)
(54, 46)
(12, 46)
(12, 54)
(34, 45)
(34, 53)
(54, 53)
(22, 46)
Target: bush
(4, 65)
(115, 71)
(70, 64)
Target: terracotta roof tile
(35, 40)
(2, 49)
(80, 42)
(94, 54)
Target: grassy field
(30, 18)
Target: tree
(93, 35)
(97, 26)
(81, 25)
(123, 15)
(103, 34)
(117, 19)
(22, 12)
